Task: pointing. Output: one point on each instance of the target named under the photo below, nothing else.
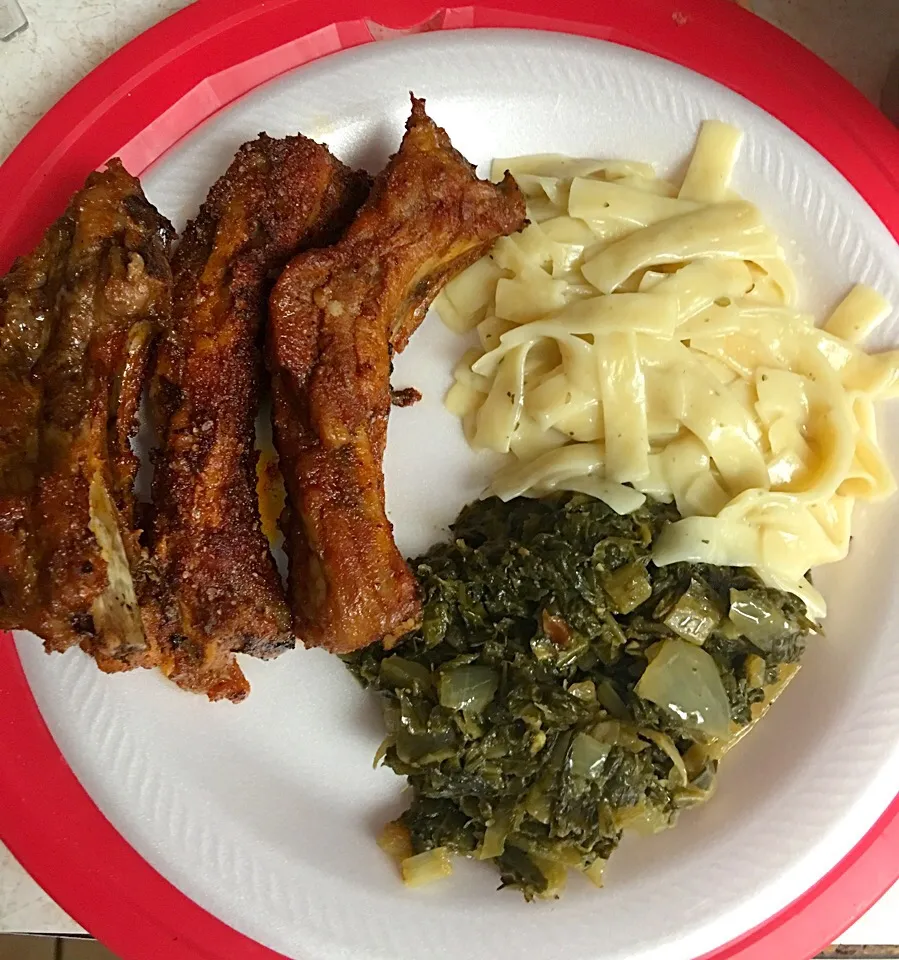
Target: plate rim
(143, 100)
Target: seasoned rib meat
(335, 316)
(276, 198)
(28, 296)
(79, 316)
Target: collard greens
(562, 688)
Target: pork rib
(79, 316)
(336, 315)
(220, 590)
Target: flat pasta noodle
(762, 321)
(688, 470)
(623, 392)
(643, 339)
(609, 199)
(716, 540)
(574, 460)
(490, 329)
(531, 439)
(733, 231)
(464, 373)
(869, 477)
(556, 399)
(621, 498)
(578, 361)
(500, 412)
(656, 185)
(728, 432)
(451, 317)
(568, 230)
(606, 231)
(529, 296)
(765, 288)
(473, 289)
(776, 278)
(859, 313)
(596, 317)
(720, 370)
(554, 189)
(702, 284)
(461, 399)
(742, 354)
(539, 209)
(708, 176)
(875, 374)
(538, 247)
(557, 165)
(584, 425)
(782, 393)
(656, 483)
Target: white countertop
(68, 37)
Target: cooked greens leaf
(562, 688)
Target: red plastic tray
(152, 93)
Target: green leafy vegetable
(404, 675)
(562, 688)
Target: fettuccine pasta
(641, 338)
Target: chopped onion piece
(683, 678)
(426, 867)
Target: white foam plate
(265, 814)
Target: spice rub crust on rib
(220, 592)
(78, 317)
(336, 316)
